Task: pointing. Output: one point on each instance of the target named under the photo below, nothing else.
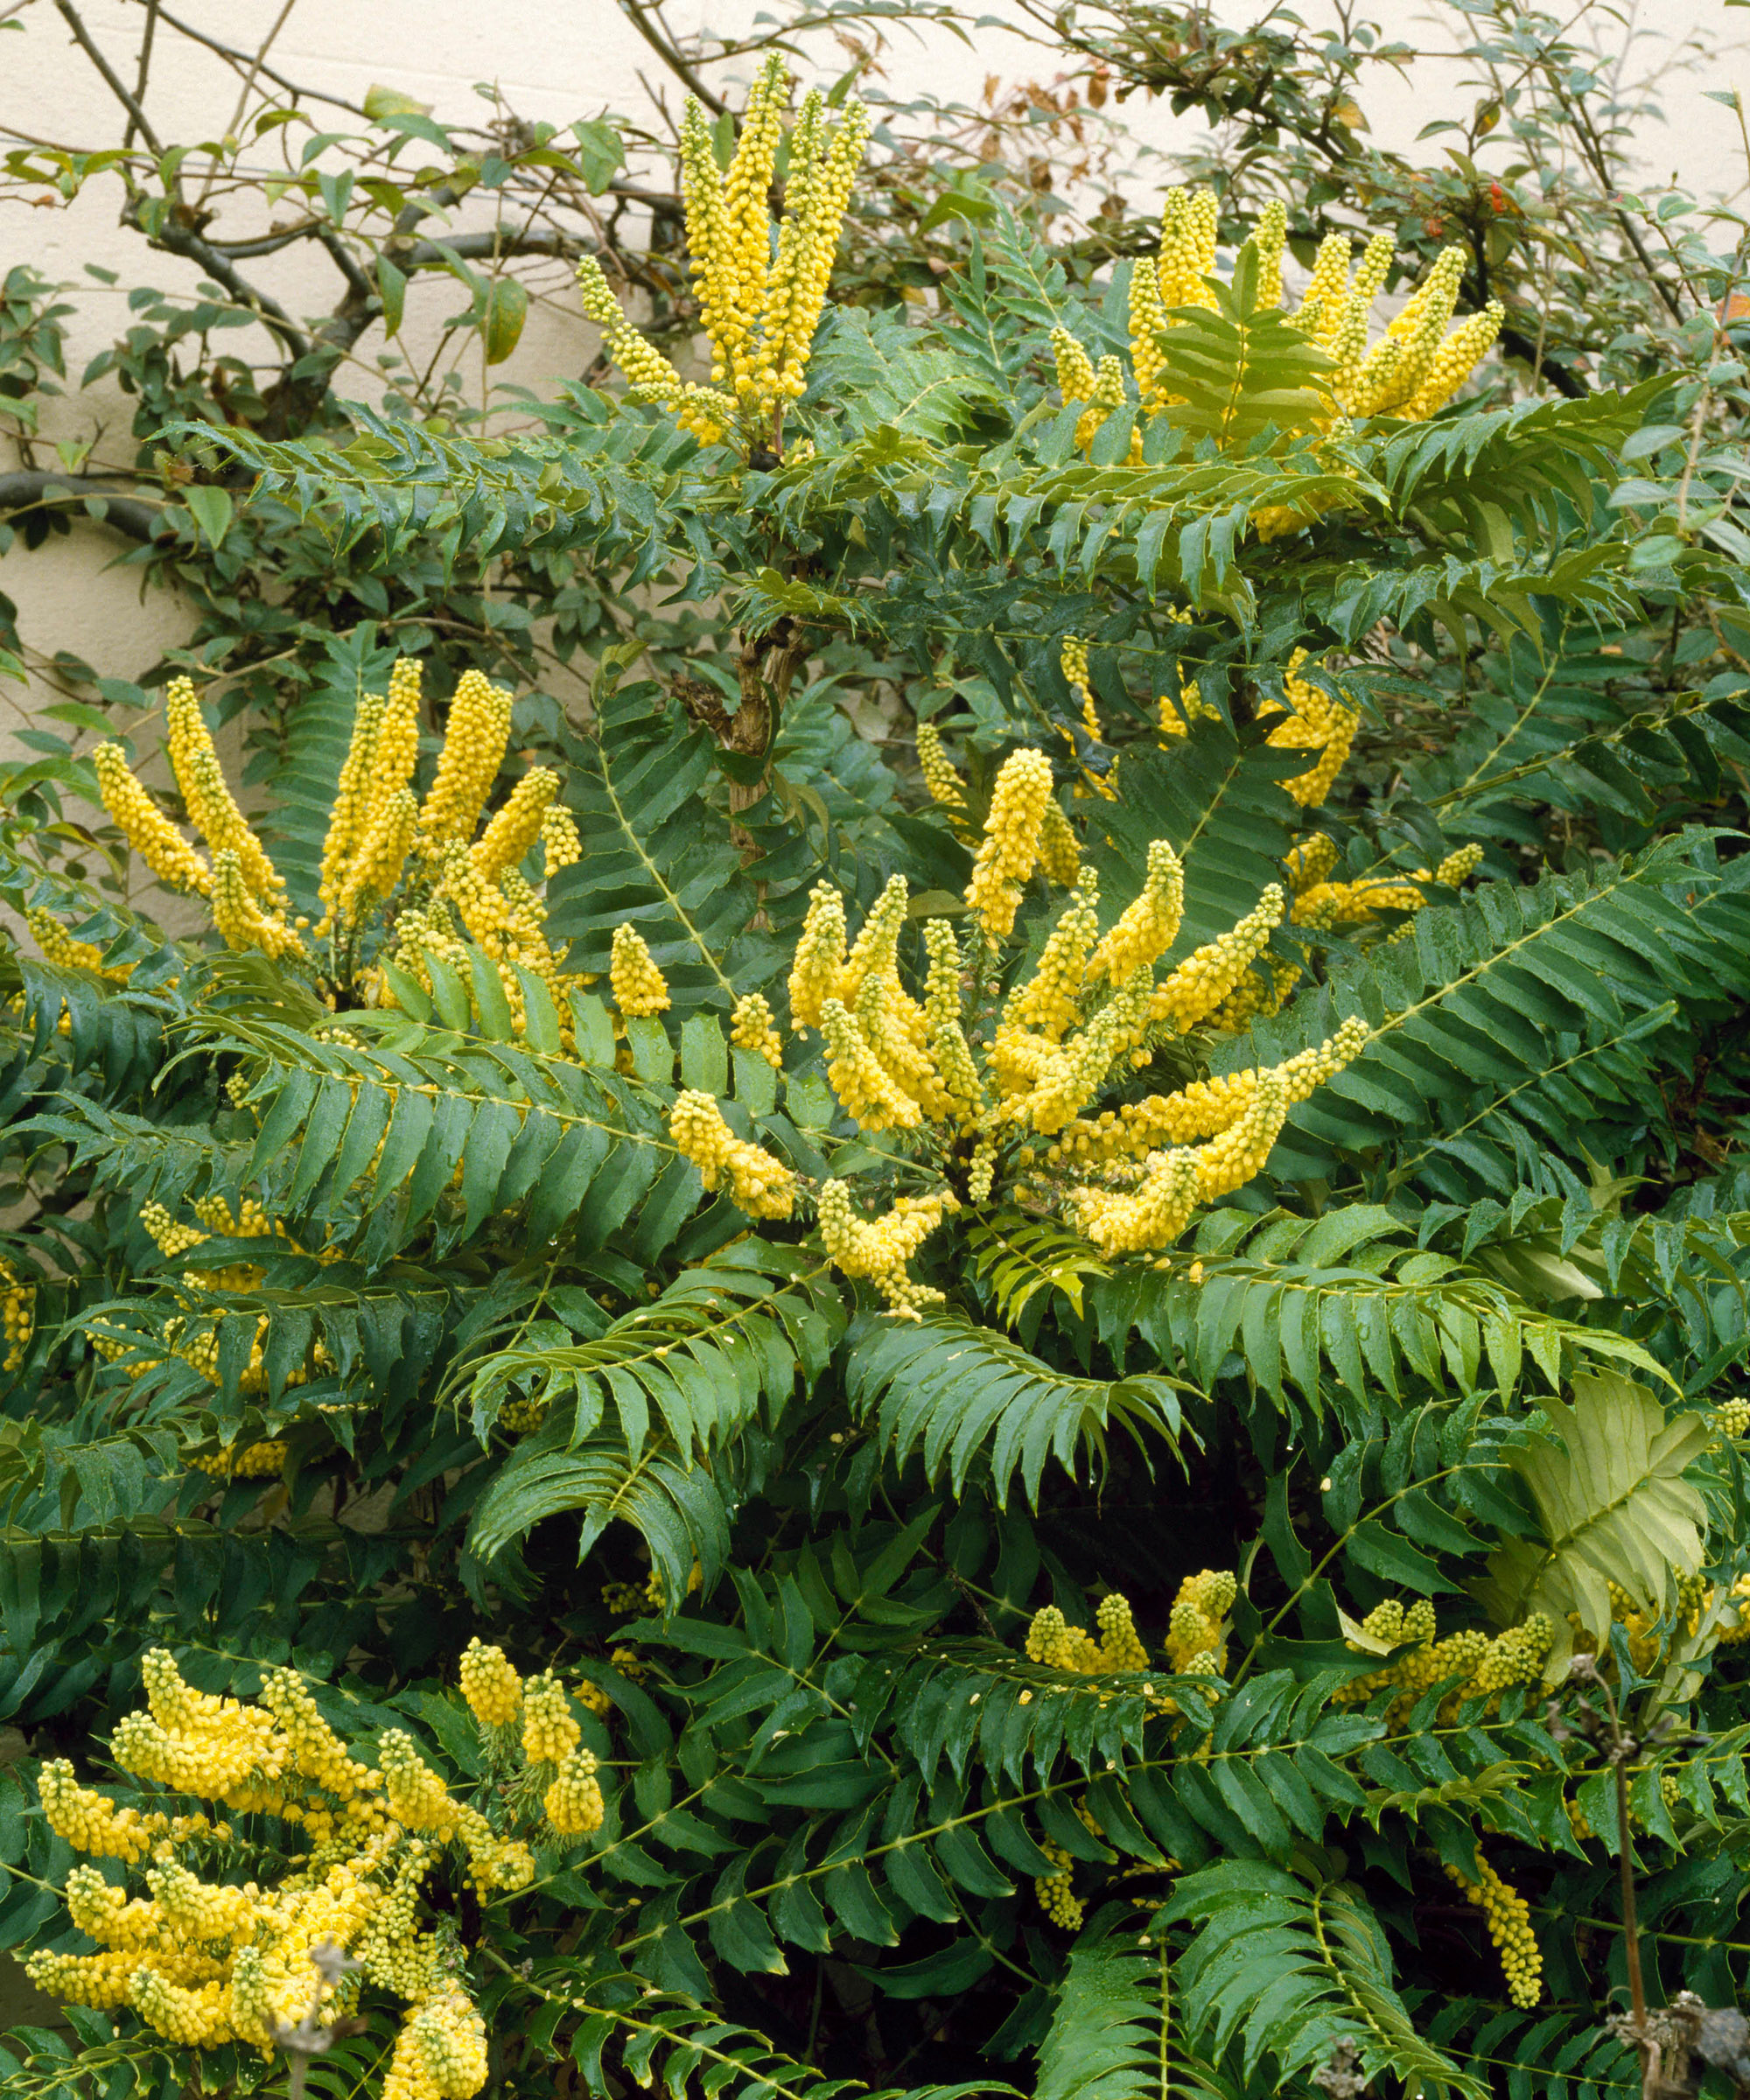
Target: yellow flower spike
(375, 868)
(877, 1249)
(1147, 318)
(829, 194)
(1347, 340)
(1045, 1004)
(945, 785)
(819, 962)
(1309, 862)
(639, 987)
(1460, 866)
(59, 948)
(512, 832)
(1200, 984)
(752, 1028)
(573, 1803)
(241, 918)
(413, 1793)
(317, 1752)
(1074, 367)
(352, 797)
(145, 827)
(866, 1090)
(1269, 236)
(474, 741)
(1146, 928)
(1506, 1916)
(1060, 851)
(746, 227)
(1321, 304)
(211, 808)
(549, 1732)
(89, 1821)
(649, 375)
(490, 1685)
(758, 1183)
(1069, 1078)
(1009, 849)
(1455, 360)
(1120, 1649)
(559, 837)
(1106, 395)
(943, 1013)
(875, 952)
(1188, 223)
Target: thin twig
(81, 35)
(146, 68)
(248, 89)
(669, 52)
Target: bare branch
(27, 489)
(146, 68)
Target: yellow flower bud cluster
(1485, 1666)
(550, 1734)
(490, 1685)
(474, 741)
(203, 1964)
(1507, 1917)
(1197, 1632)
(1056, 1895)
(1114, 1645)
(263, 1459)
(1009, 849)
(1204, 1107)
(760, 301)
(759, 1184)
(650, 377)
(248, 896)
(573, 1803)
(1198, 986)
(752, 1028)
(1171, 279)
(639, 989)
(512, 832)
(879, 1248)
(559, 837)
(60, 947)
(945, 785)
(1312, 722)
(17, 1316)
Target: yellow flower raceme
(640, 988)
(879, 1248)
(211, 808)
(474, 741)
(945, 785)
(760, 303)
(1009, 851)
(1507, 1917)
(145, 827)
(752, 1028)
(760, 1185)
(512, 832)
(490, 1685)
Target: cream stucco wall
(556, 63)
